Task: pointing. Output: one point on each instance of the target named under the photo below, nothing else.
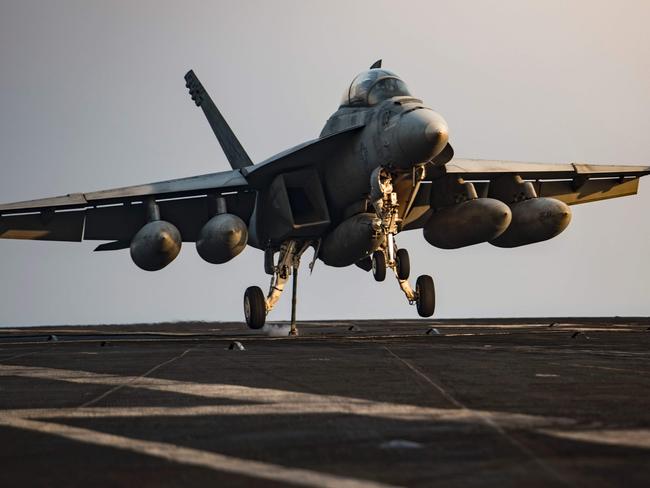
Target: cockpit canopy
(372, 87)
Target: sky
(92, 97)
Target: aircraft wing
(117, 214)
(573, 183)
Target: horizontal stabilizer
(234, 151)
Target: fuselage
(399, 133)
(392, 130)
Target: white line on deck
(195, 457)
(260, 401)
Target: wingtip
(376, 64)
(195, 87)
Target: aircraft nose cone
(423, 134)
(436, 132)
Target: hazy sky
(92, 96)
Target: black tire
(269, 265)
(379, 265)
(426, 302)
(403, 264)
(254, 307)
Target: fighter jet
(381, 165)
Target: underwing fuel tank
(222, 238)
(534, 220)
(467, 223)
(352, 240)
(155, 245)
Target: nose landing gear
(402, 264)
(424, 295)
(386, 207)
(379, 265)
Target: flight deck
(503, 402)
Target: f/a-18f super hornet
(381, 165)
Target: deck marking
(263, 401)
(605, 368)
(195, 457)
(22, 355)
(134, 380)
(487, 420)
(637, 438)
(375, 410)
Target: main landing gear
(256, 305)
(424, 295)
(388, 255)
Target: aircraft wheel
(269, 266)
(254, 307)
(403, 264)
(379, 265)
(426, 302)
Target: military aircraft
(381, 165)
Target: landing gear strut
(256, 306)
(386, 206)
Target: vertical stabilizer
(226, 137)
